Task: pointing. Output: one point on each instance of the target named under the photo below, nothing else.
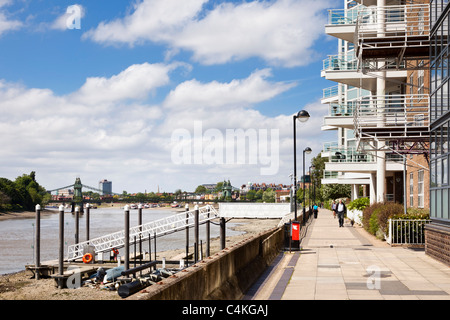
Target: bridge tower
(77, 194)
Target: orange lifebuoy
(87, 258)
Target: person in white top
(341, 209)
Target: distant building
(105, 186)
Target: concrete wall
(227, 275)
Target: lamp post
(302, 116)
(307, 150)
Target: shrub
(367, 213)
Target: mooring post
(140, 225)
(127, 237)
(222, 233)
(88, 211)
(61, 247)
(187, 231)
(37, 242)
(77, 224)
(196, 224)
(208, 236)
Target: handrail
(154, 228)
(409, 110)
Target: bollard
(222, 233)
(61, 247)
(127, 237)
(196, 224)
(37, 242)
(187, 231)
(208, 236)
(140, 224)
(88, 211)
(77, 224)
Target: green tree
(335, 191)
(201, 189)
(269, 195)
(251, 195)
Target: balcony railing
(344, 16)
(327, 146)
(350, 155)
(330, 174)
(394, 21)
(395, 112)
(340, 110)
(341, 62)
(330, 92)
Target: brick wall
(437, 242)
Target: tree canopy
(24, 193)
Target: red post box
(295, 231)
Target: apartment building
(379, 104)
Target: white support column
(381, 107)
(372, 187)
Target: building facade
(438, 232)
(379, 106)
(105, 186)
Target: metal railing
(331, 92)
(341, 110)
(404, 112)
(410, 232)
(330, 174)
(394, 21)
(151, 229)
(344, 16)
(327, 146)
(346, 62)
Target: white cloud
(5, 23)
(280, 32)
(241, 92)
(135, 82)
(110, 128)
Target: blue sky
(108, 100)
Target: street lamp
(301, 116)
(307, 150)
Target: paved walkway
(347, 263)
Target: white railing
(394, 111)
(394, 21)
(407, 232)
(151, 229)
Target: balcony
(396, 117)
(330, 94)
(340, 115)
(342, 23)
(345, 69)
(394, 33)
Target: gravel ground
(20, 286)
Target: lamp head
(307, 150)
(303, 115)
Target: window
(420, 189)
(411, 189)
(420, 80)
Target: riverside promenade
(349, 264)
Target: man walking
(341, 210)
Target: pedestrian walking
(334, 208)
(341, 210)
(315, 210)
